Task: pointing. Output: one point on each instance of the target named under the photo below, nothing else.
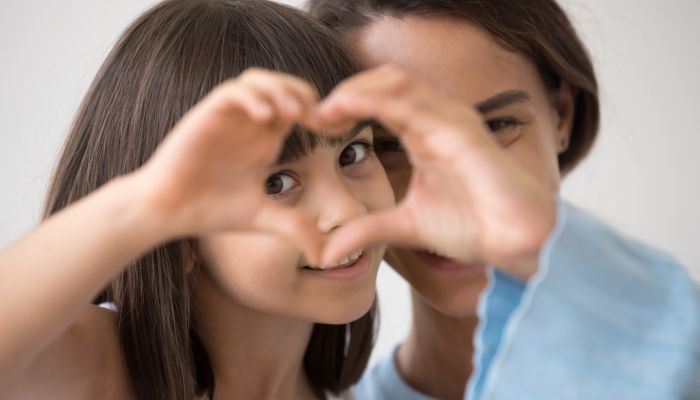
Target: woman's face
(264, 273)
(528, 121)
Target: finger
(385, 78)
(332, 127)
(292, 225)
(235, 96)
(384, 227)
(404, 104)
(292, 96)
(306, 92)
(426, 131)
(396, 114)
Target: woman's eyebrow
(502, 100)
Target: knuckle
(398, 80)
(252, 74)
(224, 89)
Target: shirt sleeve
(384, 382)
(605, 317)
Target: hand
(467, 199)
(208, 174)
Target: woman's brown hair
(537, 29)
(166, 61)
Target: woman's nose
(338, 205)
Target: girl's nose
(338, 206)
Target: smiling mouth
(346, 262)
(436, 254)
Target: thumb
(388, 226)
(293, 226)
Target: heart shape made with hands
(466, 199)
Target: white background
(642, 177)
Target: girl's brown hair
(166, 61)
(538, 29)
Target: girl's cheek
(364, 170)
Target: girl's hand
(467, 199)
(208, 174)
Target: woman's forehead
(455, 56)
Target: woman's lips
(445, 264)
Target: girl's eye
(279, 184)
(355, 153)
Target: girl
(184, 214)
(601, 316)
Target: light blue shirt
(605, 317)
(383, 381)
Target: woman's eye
(355, 153)
(381, 145)
(279, 184)
(498, 125)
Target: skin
(441, 70)
(254, 301)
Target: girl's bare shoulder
(85, 362)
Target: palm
(212, 168)
(478, 208)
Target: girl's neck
(436, 358)
(253, 355)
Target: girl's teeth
(436, 254)
(347, 260)
(343, 261)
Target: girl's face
(264, 273)
(466, 63)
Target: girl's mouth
(352, 266)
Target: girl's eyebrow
(301, 142)
(502, 100)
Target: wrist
(524, 261)
(134, 212)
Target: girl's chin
(341, 314)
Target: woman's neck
(253, 355)
(436, 358)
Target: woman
(600, 314)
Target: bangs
(301, 142)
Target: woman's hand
(208, 174)
(467, 199)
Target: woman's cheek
(400, 179)
(398, 170)
(534, 152)
(384, 186)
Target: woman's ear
(563, 102)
